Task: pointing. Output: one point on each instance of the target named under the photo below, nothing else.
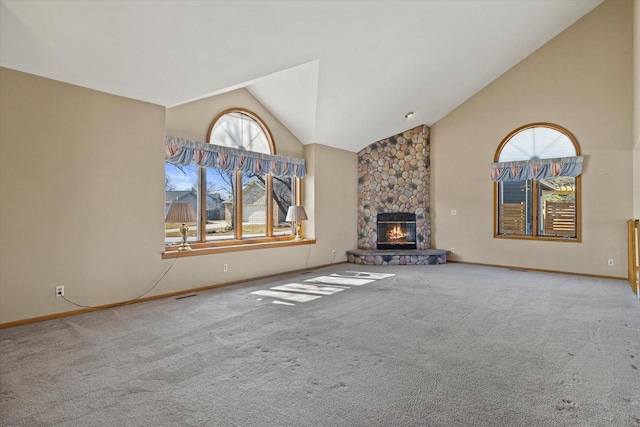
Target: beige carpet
(445, 345)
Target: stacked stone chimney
(393, 176)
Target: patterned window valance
(184, 152)
(536, 169)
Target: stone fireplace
(396, 231)
(393, 177)
(394, 222)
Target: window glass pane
(254, 206)
(220, 209)
(282, 199)
(557, 204)
(180, 185)
(537, 143)
(515, 214)
(240, 131)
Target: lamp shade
(180, 212)
(296, 213)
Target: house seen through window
(232, 205)
(537, 190)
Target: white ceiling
(339, 73)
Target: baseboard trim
(151, 298)
(541, 270)
(235, 282)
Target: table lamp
(295, 214)
(181, 213)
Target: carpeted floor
(447, 345)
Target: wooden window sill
(541, 238)
(236, 246)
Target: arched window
(241, 129)
(255, 205)
(537, 171)
(237, 203)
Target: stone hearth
(410, 257)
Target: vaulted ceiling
(339, 73)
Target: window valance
(184, 152)
(536, 169)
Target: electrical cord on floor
(124, 302)
(160, 279)
(306, 263)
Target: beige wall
(331, 200)
(79, 196)
(636, 108)
(81, 177)
(581, 80)
(636, 183)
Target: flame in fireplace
(396, 234)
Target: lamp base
(184, 246)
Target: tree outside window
(233, 205)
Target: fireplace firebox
(396, 231)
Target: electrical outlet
(225, 267)
(333, 252)
(610, 262)
(454, 212)
(59, 291)
(452, 250)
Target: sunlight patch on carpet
(320, 286)
(346, 281)
(308, 288)
(287, 296)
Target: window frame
(237, 242)
(535, 191)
